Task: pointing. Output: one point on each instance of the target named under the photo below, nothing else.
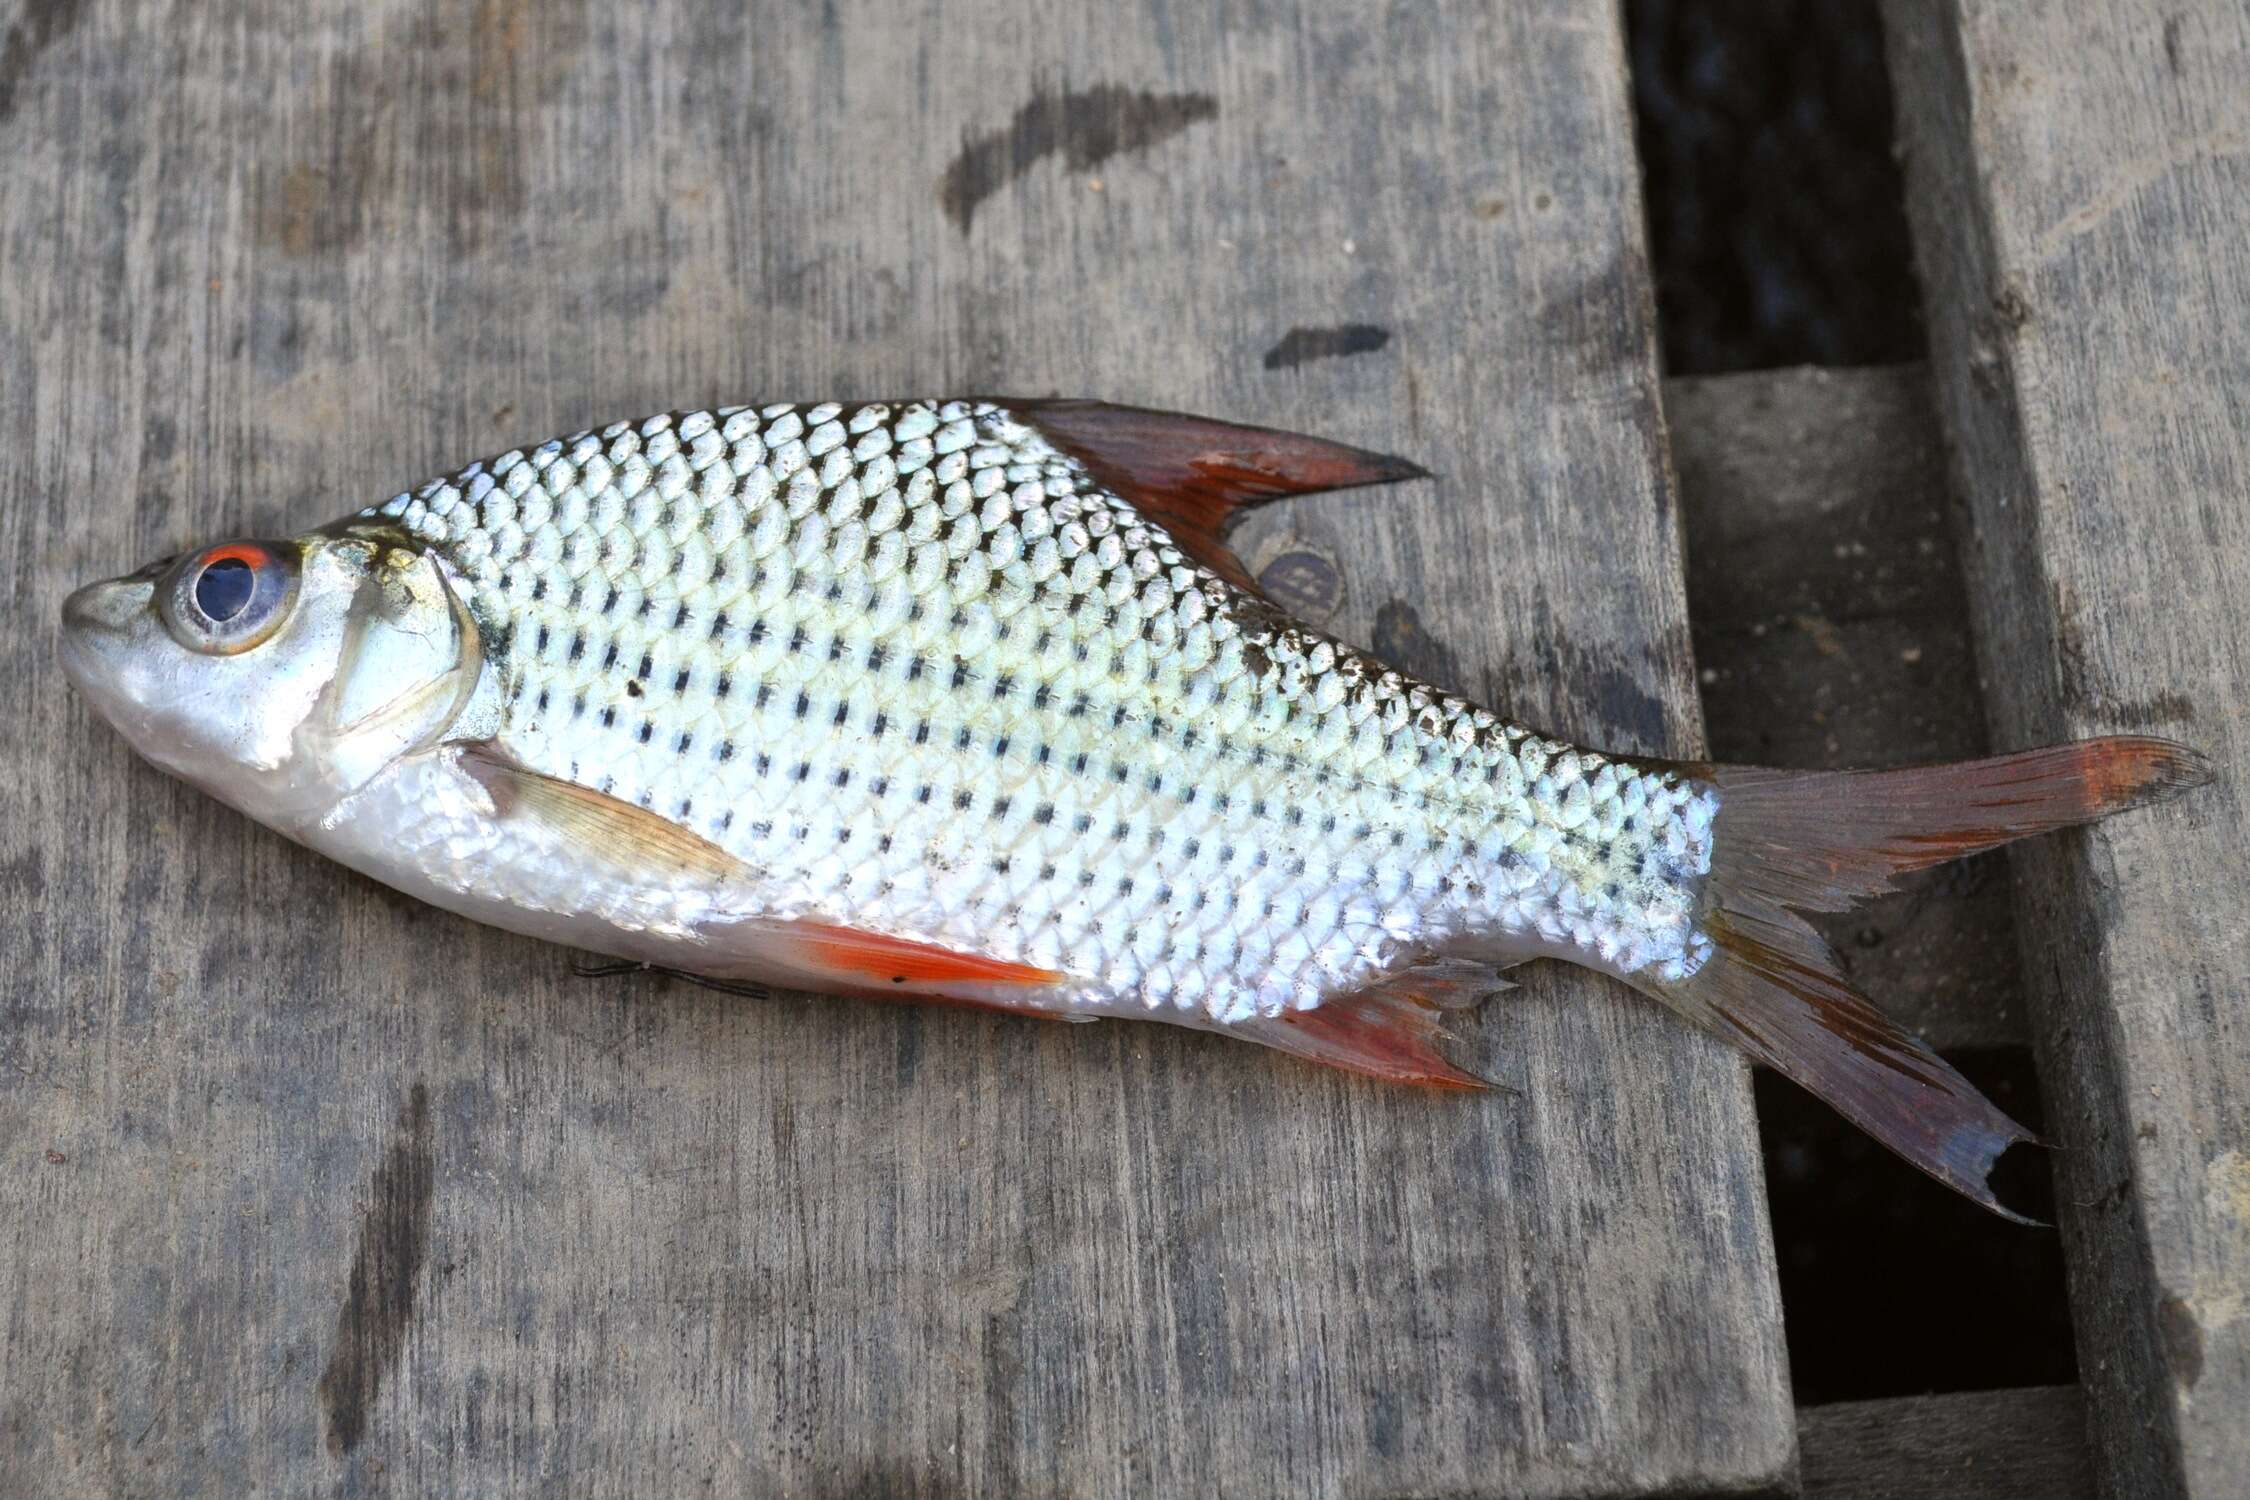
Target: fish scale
(920, 672)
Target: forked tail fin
(1789, 841)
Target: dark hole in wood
(1890, 1284)
(1774, 203)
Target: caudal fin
(1790, 841)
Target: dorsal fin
(1194, 475)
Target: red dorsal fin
(1194, 475)
(1389, 1030)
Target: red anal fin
(1194, 475)
(837, 960)
(903, 962)
(1389, 1031)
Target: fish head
(279, 676)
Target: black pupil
(224, 588)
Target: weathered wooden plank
(2026, 1444)
(1831, 628)
(2079, 180)
(343, 1190)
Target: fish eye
(230, 598)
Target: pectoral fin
(634, 837)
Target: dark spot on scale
(633, 688)
(1301, 344)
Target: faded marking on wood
(1085, 128)
(1301, 344)
(41, 22)
(2081, 204)
(386, 1275)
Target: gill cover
(409, 664)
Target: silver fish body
(922, 675)
(967, 700)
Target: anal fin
(1390, 1030)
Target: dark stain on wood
(1088, 127)
(360, 180)
(43, 23)
(394, 1240)
(1403, 641)
(1608, 704)
(1301, 344)
(2183, 1340)
(2150, 712)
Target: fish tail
(1791, 841)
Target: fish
(969, 701)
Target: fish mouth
(98, 629)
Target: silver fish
(967, 701)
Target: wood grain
(2079, 186)
(2025, 1444)
(312, 1188)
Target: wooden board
(2079, 180)
(312, 1188)
(2025, 1444)
(1832, 629)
